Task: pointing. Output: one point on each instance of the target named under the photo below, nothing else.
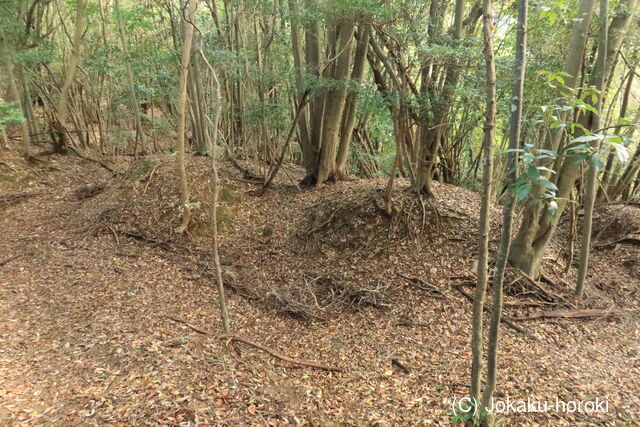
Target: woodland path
(84, 340)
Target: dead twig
(12, 199)
(8, 260)
(396, 363)
(259, 347)
(542, 292)
(626, 239)
(189, 325)
(577, 314)
(286, 358)
(422, 285)
(105, 165)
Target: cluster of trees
(422, 89)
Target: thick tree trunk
(13, 94)
(538, 225)
(60, 144)
(350, 109)
(617, 32)
(432, 131)
(308, 152)
(316, 109)
(336, 97)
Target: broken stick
(576, 314)
(259, 347)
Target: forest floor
(90, 276)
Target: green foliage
(10, 115)
(533, 176)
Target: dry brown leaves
(84, 339)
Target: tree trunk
(349, 118)
(483, 228)
(538, 225)
(335, 97)
(60, 144)
(316, 108)
(432, 131)
(308, 152)
(515, 125)
(13, 94)
(133, 99)
(590, 188)
(215, 189)
(187, 22)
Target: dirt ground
(85, 338)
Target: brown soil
(92, 267)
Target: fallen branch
(286, 358)
(259, 347)
(409, 324)
(192, 327)
(575, 314)
(504, 320)
(8, 260)
(105, 165)
(548, 295)
(399, 365)
(626, 239)
(246, 172)
(13, 199)
(422, 285)
(162, 244)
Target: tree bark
(60, 144)
(432, 131)
(591, 188)
(515, 125)
(215, 190)
(308, 152)
(133, 99)
(335, 100)
(483, 228)
(187, 22)
(538, 225)
(350, 109)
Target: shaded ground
(84, 338)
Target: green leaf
(528, 158)
(581, 157)
(523, 191)
(547, 184)
(622, 153)
(549, 153)
(587, 138)
(546, 169)
(533, 173)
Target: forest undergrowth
(94, 277)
